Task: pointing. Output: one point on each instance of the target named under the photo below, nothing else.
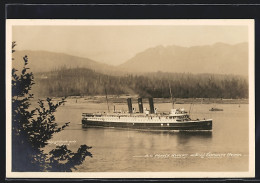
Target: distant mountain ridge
(219, 58)
(44, 61)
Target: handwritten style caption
(193, 155)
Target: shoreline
(122, 99)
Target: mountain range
(45, 61)
(219, 58)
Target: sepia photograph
(130, 98)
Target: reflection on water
(185, 137)
(123, 150)
(182, 137)
(184, 134)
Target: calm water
(223, 149)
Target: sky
(115, 44)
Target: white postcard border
(92, 22)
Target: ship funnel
(129, 103)
(151, 105)
(140, 104)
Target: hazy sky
(116, 44)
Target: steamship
(175, 120)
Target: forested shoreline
(83, 82)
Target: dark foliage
(80, 81)
(33, 127)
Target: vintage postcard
(130, 98)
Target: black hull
(181, 126)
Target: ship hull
(180, 126)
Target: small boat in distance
(176, 119)
(215, 109)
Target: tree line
(82, 81)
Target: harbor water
(123, 150)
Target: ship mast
(107, 99)
(171, 96)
